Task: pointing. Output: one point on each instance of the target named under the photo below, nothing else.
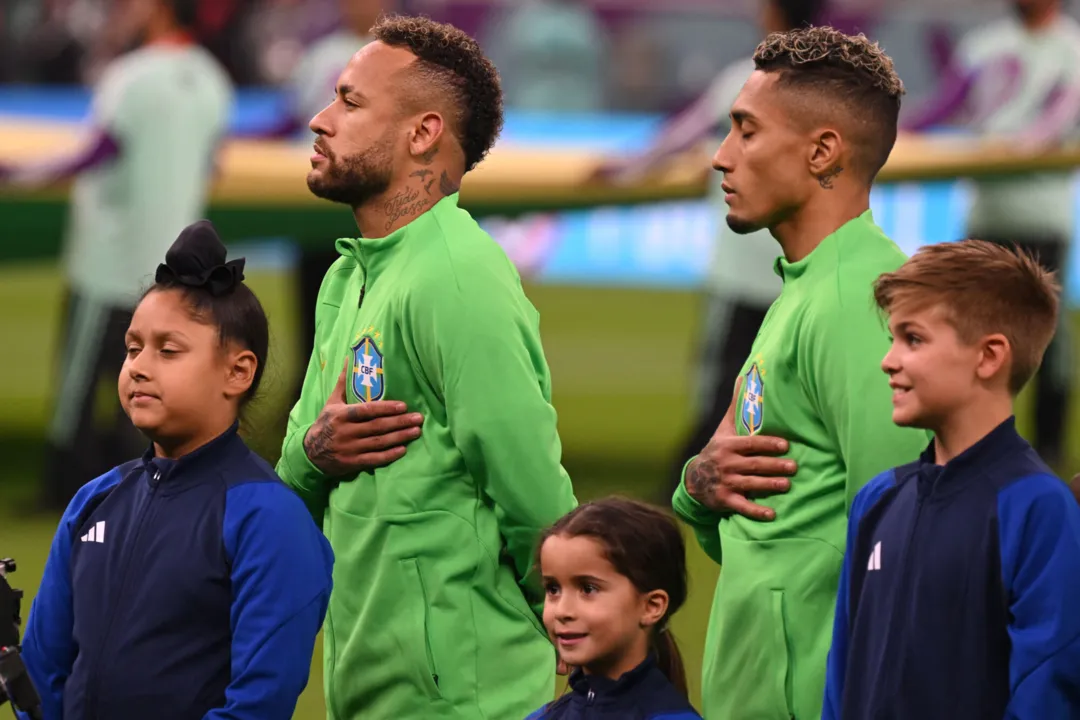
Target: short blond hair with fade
(847, 77)
(984, 288)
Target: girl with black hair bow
(189, 583)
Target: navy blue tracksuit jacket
(960, 592)
(180, 590)
(644, 693)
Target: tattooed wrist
(699, 481)
(319, 444)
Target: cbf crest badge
(753, 402)
(368, 381)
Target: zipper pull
(360, 302)
(590, 696)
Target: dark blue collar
(161, 469)
(603, 688)
(974, 462)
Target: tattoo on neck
(825, 179)
(428, 156)
(446, 185)
(423, 174)
(405, 204)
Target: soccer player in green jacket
(811, 128)
(433, 513)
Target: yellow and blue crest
(368, 383)
(752, 407)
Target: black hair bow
(197, 259)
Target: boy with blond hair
(961, 580)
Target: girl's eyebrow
(166, 335)
(592, 579)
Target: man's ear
(825, 156)
(425, 136)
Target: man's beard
(742, 227)
(355, 179)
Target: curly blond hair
(828, 46)
(849, 70)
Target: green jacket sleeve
(478, 345)
(704, 522)
(845, 344)
(294, 467)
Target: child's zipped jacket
(644, 693)
(180, 590)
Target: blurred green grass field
(622, 366)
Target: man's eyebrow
(741, 116)
(350, 90)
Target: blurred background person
(552, 55)
(1017, 80)
(158, 114)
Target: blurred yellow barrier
(261, 191)
(273, 173)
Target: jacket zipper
(590, 697)
(907, 590)
(95, 680)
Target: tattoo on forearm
(318, 444)
(826, 178)
(428, 156)
(406, 204)
(446, 185)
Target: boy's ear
(655, 607)
(995, 353)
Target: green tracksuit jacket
(430, 616)
(814, 377)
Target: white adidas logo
(96, 534)
(875, 558)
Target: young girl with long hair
(614, 572)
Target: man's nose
(722, 161)
(320, 124)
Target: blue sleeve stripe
(868, 496)
(1039, 537)
(48, 645)
(281, 574)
